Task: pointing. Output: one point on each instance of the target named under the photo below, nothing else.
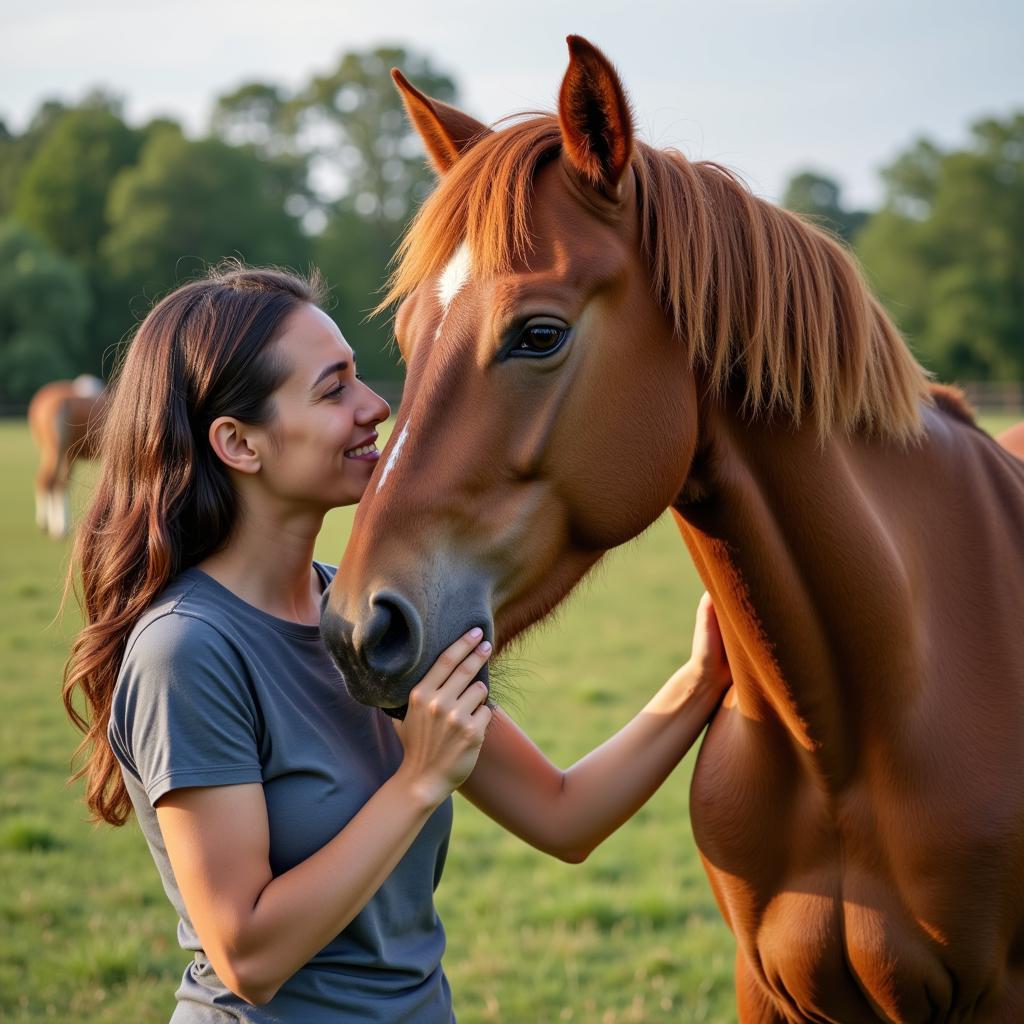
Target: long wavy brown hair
(164, 501)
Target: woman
(299, 835)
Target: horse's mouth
(399, 711)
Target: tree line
(945, 251)
(100, 217)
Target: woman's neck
(268, 563)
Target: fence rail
(996, 396)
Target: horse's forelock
(482, 202)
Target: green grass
(630, 935)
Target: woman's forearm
(568, 813)
(610, 784)
(301, 911)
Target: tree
(946, 252)
(353, 253)
(260, 116)
(63, 191)
(44, 306)
(17, 151)
(818, 198)
(190, 203)
(368, 176)
(364, 141)
(254, 114)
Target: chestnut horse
(595, 331)
(63, 418)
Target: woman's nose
(376, 410)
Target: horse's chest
(825, 927)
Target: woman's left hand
(708, 668)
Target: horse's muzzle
(389, 641)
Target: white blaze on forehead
(393, 456)
(454, 276)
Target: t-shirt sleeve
(183, 712)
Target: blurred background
(140, 142)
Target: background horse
(64, 418)
(1013, 439)
(596, 331)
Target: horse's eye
(539, 340)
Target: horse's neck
(798, 547)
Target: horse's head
(549, 411)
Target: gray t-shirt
(215, 692)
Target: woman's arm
(567, 814)
(258, 930)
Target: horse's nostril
(393, 636)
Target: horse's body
(859, 799)
(63, 418)
(857, 802)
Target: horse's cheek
(624, 461)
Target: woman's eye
(539, 340)
(335, 391)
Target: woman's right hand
(446, 720)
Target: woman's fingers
(466, 672)
(450, 659)
(708, 644)
(472, 696)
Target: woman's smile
(366, 451)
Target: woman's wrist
(690, 685)
(426, 792)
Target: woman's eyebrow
(329, 371)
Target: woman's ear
(232, 444)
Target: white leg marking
(60, 513)
(393, 456)
(42, 509)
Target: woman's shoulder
(178, 655)
(182, 621)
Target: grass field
(86, 934)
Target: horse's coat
(859, 799)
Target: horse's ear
(597, 126)
(445, 131)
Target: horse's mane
(756, 294)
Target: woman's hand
(703, 680)
(446, 721)
(708, 660)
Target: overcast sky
(766, 87)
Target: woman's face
(321, 441)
